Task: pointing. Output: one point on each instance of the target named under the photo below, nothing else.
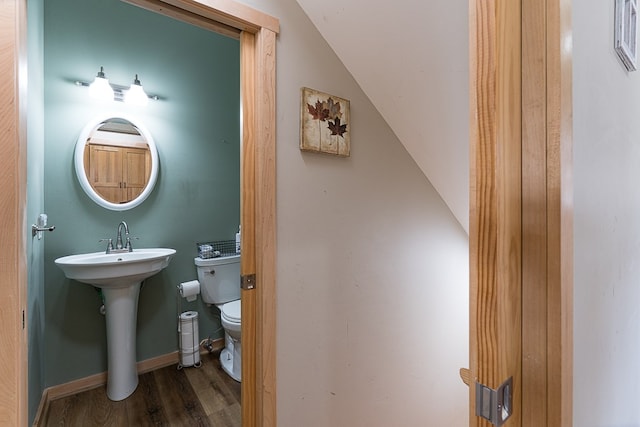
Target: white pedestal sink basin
(119, 275)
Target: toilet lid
(232, 310)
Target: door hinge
(248, 282)
(22, 319)
(495, 405)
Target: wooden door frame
(521, 222)
(257, 32)
(13, 203)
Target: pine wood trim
(547, 222)
(13, 152)
(495, 222)
(223, 16)
(250, 391)
(42, 417)
(548, 236)
(559, 322)
(265, 244)
(100, 379)
(231, 13)
(534, 183)
(158, 6)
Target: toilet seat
(231, 311)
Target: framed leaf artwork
(325, 125)
(625, 32)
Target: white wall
(411, 59)
(607, 224)
(372, 266)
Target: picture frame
(325, 123)
(625, 32)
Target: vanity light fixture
(136, 94)
(101, 88)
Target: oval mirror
(116, 161)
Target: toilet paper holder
(189, 290)
(195, 344)
(40, 226)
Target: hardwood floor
(204, 396)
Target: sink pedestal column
(121, 305)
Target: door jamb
(547, 350)
(546, 254)
(257, 34)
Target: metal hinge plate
(495, 405)
(248, 282)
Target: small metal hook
(35, 230)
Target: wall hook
(40, 226)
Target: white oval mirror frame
(80, 169)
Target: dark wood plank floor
(204, 396)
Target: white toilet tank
(219, 278)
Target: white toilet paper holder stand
(178, 333)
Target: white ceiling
(411, 58)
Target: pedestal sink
(119, 275)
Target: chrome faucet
(127, 246)
(119, 247)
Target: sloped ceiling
(411, 59)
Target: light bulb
(136, 94)
(100, 88)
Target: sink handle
(128, 244)
(109, 244)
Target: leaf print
(319, 112)
(334, 109)
(324, 123)
(336, 128)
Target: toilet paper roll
(188, 316)
(190, 290)
(189, 338)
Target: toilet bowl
(220, 286)
(231, 355)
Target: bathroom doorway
(257, 34)
(258, 91)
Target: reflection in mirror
(116, 162)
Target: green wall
(196, 127)
(35, 204)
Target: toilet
(220, 285)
